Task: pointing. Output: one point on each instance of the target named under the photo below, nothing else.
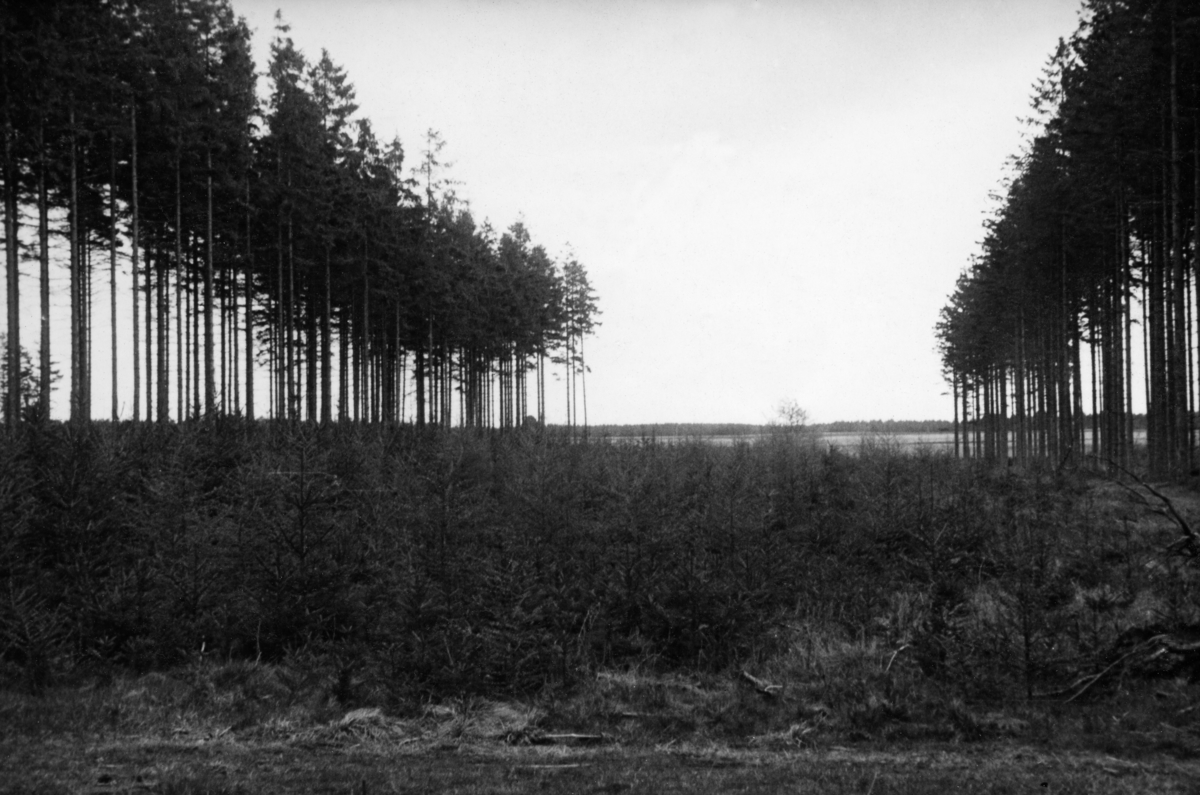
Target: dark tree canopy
(1088, 270)
(264, 239)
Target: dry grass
(477, 768)
(244, 728)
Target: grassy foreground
(191, 732)
(244, 608)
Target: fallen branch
(764, 689)
(1092, 680)
(1181, 647)
(1190, 541)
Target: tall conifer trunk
(112, 270)
(1021, 389)
(12, 411)
(73, 232)
(326, 349)
(249, 345)
(1195, 271)
(419, 374)
(293, 408)
(343, 366)
(149, 327)
(210, 386)
(311, 346)
(1127, 325)
(196, 344)
(85, 326)
(1179, 451)
(44, 277)
(164, 299)
(164, 339)
(134, 242)
(277, 350)
(954, 401)
(181, 400)
(230, 371)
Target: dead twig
(892, 659)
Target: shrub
(463, 562)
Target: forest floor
(142, 766)
(151, 734)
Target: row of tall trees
(257, 244)
(1098, 234)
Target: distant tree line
(884, 426)
(264, 240)
(677, 429)
(702, 429)
(1098, 233)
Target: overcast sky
(772, 199)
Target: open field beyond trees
(232, 606)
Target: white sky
(772, 199)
